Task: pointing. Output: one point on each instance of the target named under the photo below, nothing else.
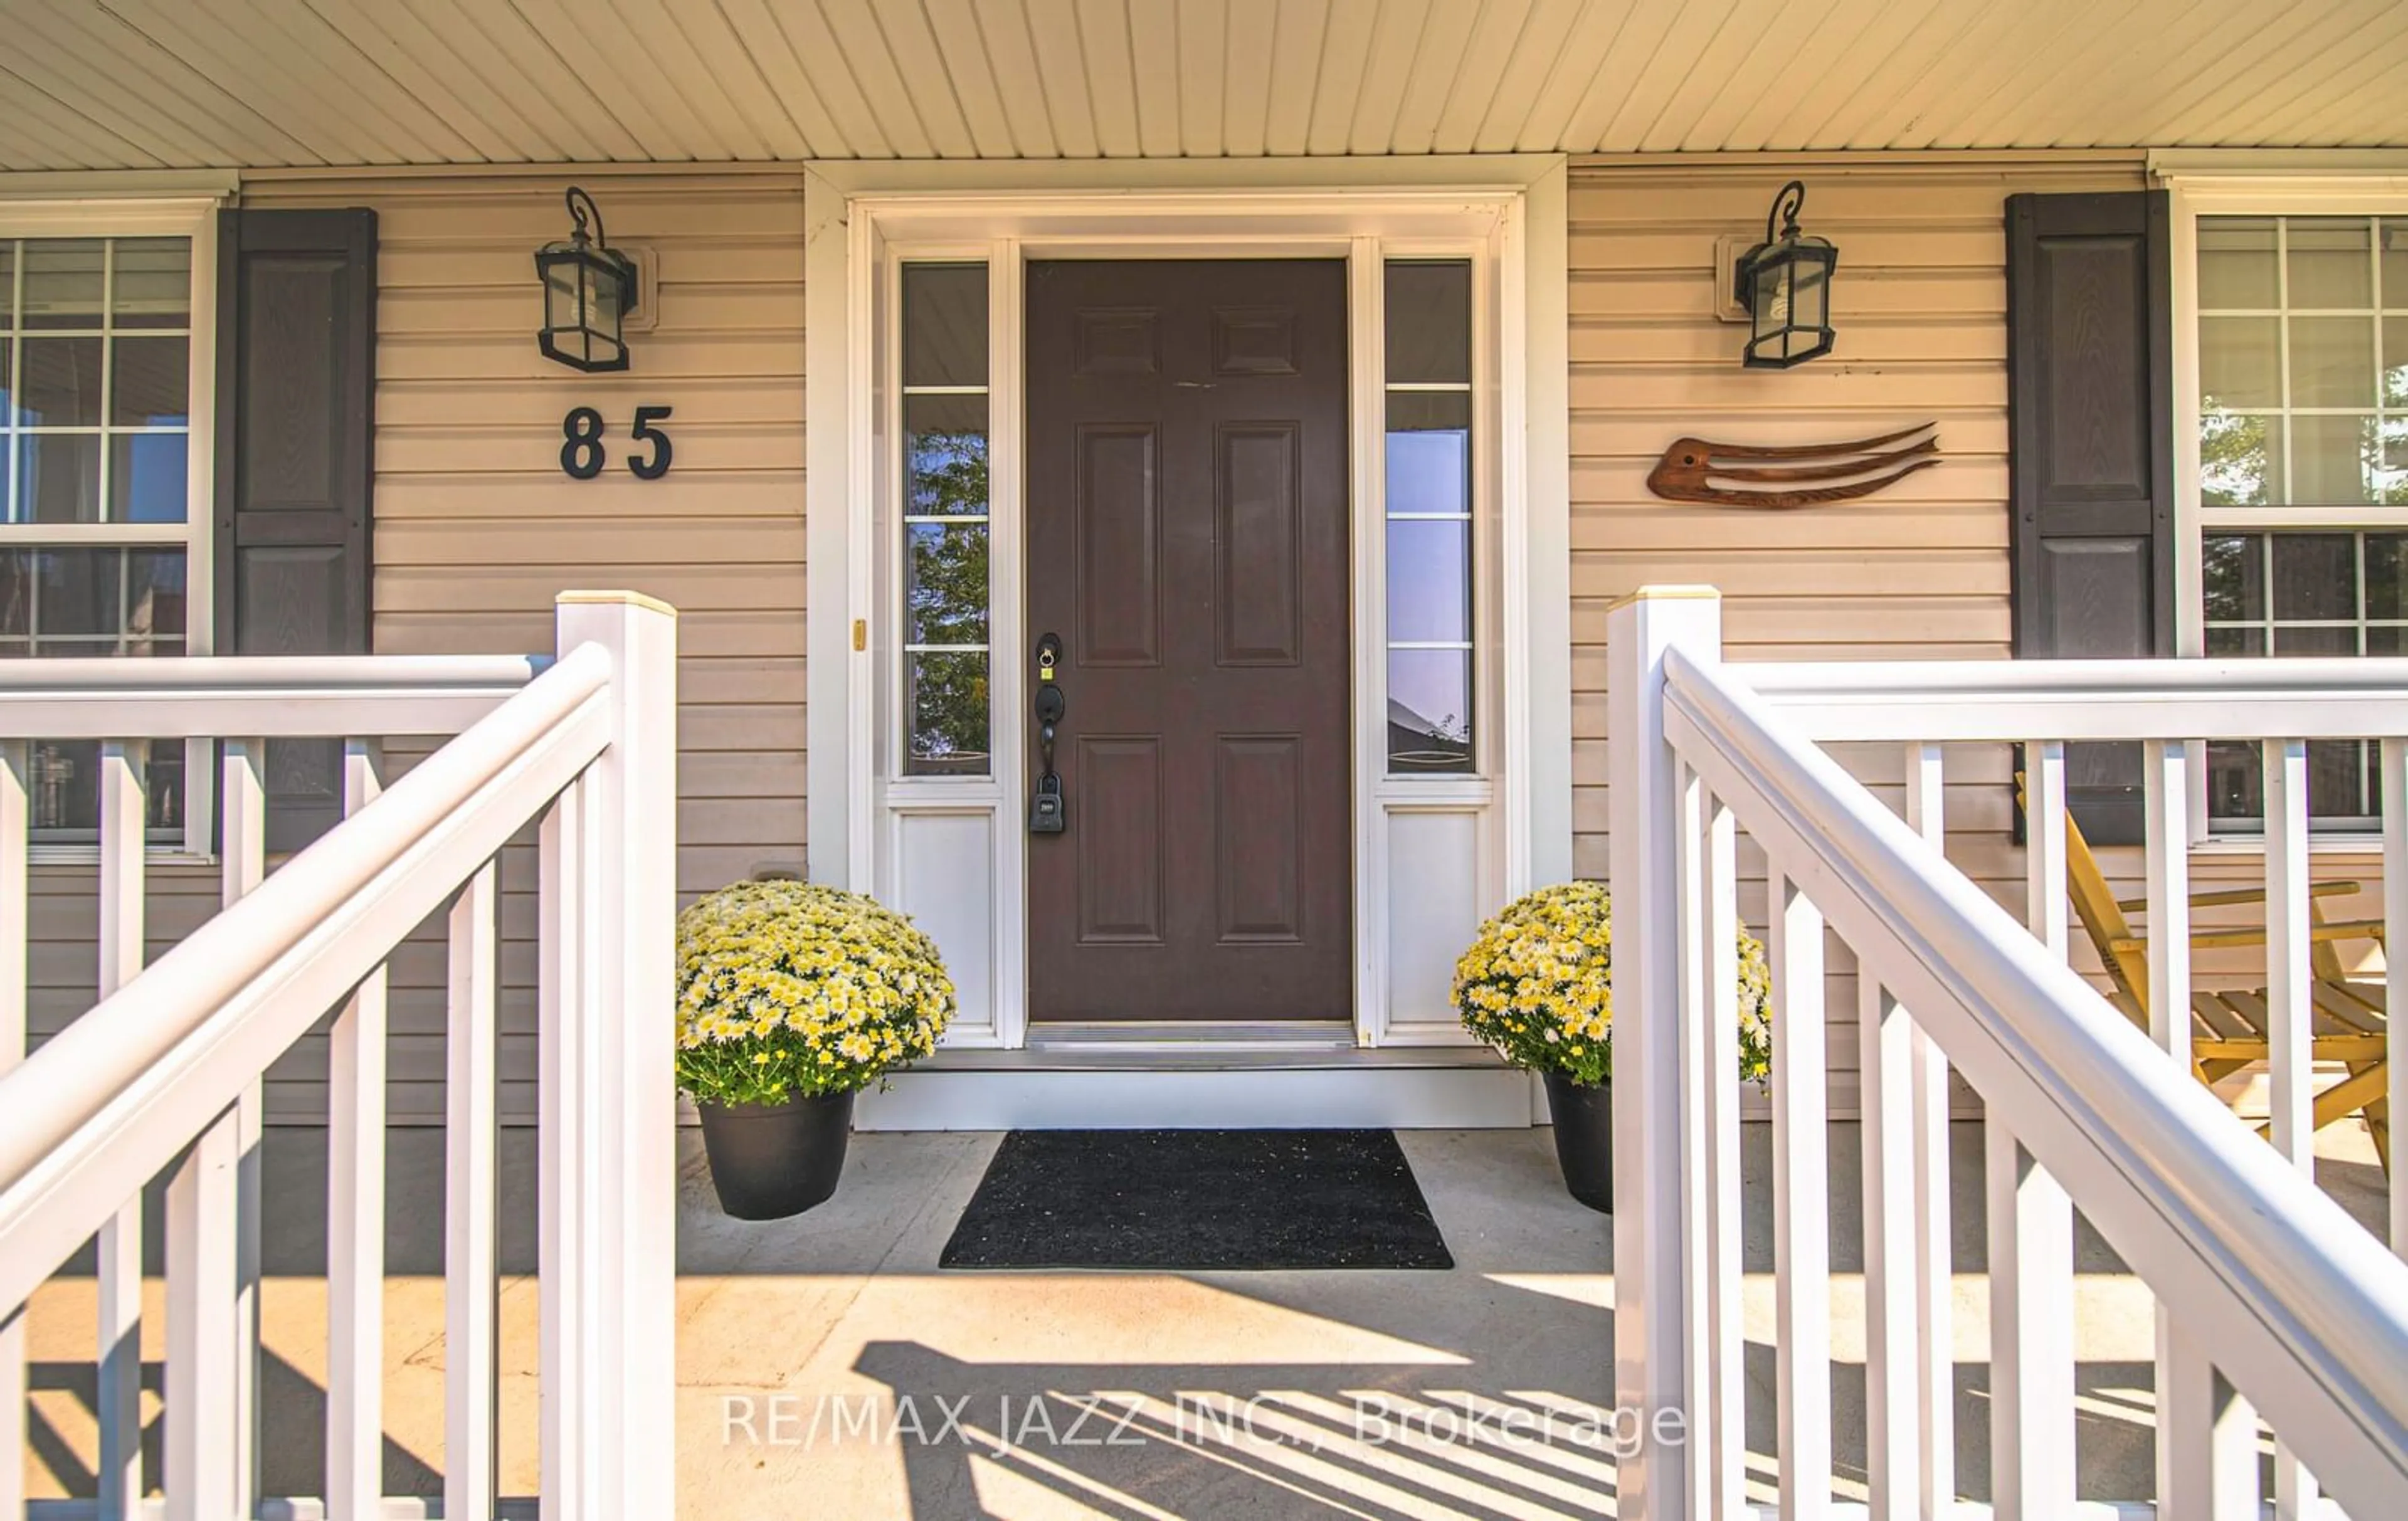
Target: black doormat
(1186, 1201)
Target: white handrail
(259, 696)
(2086, 699)
(112, 1098)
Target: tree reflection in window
(946, 579)
(945, 604)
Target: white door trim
(1506, 212)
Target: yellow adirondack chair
(2228, 1026)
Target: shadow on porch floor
(826, 1368)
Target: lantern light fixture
(1785, 280)
(589, 288)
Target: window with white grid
(2303, 362)
(97, 342)
(2302, 345)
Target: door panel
(1118, 571)
(1120, 846)
(1256, 796)
(1187, 539)
(1259, 544)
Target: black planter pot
(1583, 1119)
(768, 1161)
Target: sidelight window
(945, 528)
(95, 430)
(2302, 345)
(1429, 518)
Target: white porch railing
(166, 1069)
(2270, 1298)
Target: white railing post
(1651, 1309)
(2290, 1069)
(1935, 1289)
(471, 1222)
(355, 1109)
(242, 825)
(1714, 1338)
(2032, 1228)
(13, 1374)
(2395, 930)
(122, 811)
(564, 1271)
(203, 1448)
(1885, 1055)
(1696, 1015)
(2166, 798)
(2207, 1435)
(1721, 1428)
(609, 1179)
(1802, 1221)
(213, 1219)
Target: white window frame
(2193, 196)
(194, 217)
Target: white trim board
(1348, 177)
(116, 187)
(1508, 213)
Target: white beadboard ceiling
(94, 84)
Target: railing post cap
(631, 599)
(1667, 593)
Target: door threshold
(1442, 1087)
(1168, 1056)
(1189, 1036)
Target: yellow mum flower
(785, 988)
(1537, 985)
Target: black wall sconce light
(1785, 280)
(587, 289)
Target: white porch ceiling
(93, 85)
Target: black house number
(582, 454)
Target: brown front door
(1187, 544)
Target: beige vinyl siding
(477, 529)
(1917, 572)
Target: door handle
(1049, 812)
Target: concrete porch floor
(1039, 1396)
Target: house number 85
(581, 455)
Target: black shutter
(296, 373)
(2090, 455)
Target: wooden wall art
(1797, 475)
